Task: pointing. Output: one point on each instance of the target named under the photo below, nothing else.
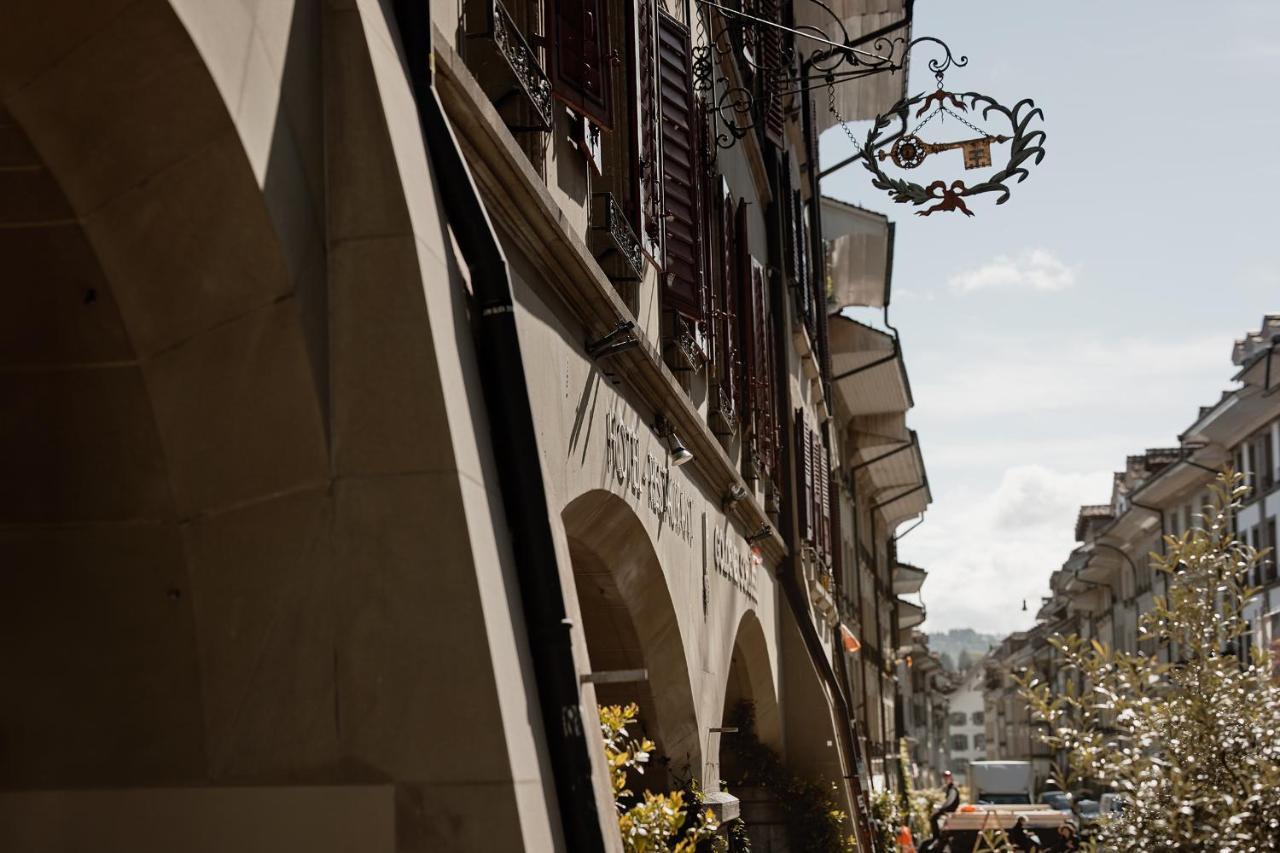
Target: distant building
(966, 722)
(1108, 581)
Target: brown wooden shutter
(683, 285)
(726, 318)
(580, 57)
(824, 492)
(837, 538)
(804, 478)
(647, 185)
(773, 80)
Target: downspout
(515, 448)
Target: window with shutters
(773, 78)
(581, 61)
(683, 291)
(730, 218)
(759, 419)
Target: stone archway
(629, 622)
(157, 380)
(750, 679)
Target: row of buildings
(389, 384)
(1108, 581)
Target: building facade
(403, 381)
(966, 723)
(1108, 582)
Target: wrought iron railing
(621, 240)
(527, 74)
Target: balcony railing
(525, 73)
(620, 255)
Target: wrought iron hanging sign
(907, 149)
(818, 59)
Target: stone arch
(750, 679)
(159, 377)
(629, 621)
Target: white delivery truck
(1003, 783)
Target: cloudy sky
(1088, 317)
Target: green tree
(1193, 746)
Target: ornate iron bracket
(734, 103)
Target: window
(682, 290)
(960, 743)
(976, 718)
(580, 57)
(958, 718)
(979, 741)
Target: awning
(909, 615)
(900, 483)
(859, 243)
(867, 97)
(873, 434)
(866, 369)
(907, 578)
(850, 641)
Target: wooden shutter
(726, 318)
(683, 285)
(837, 538)
(804, 478)
(773, 80)
(647, 184)
(580, 57)
(746, 273)
(824, 496)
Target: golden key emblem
(910, 150)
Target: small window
(979, 741)
(958, 718)
(960, 743)
(976, 718)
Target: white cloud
(1021, 375)
(1032, 269)
(988, 552)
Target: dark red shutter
(580, 57)
(683, 281)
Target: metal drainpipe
(515, 448)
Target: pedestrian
(950, 802)
(1021, 838)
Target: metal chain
(844, 125)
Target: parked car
(1112, 804)
(1057, 800)
(1089, 812)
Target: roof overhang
(1233, 418)
(1262, 370)
(909, 615)
(860, 246)
(866, 369)
(908, 579)
(1173, 481)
